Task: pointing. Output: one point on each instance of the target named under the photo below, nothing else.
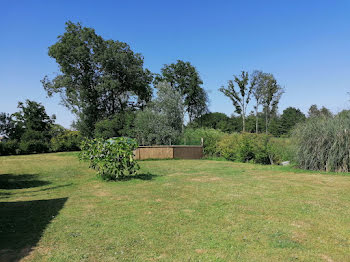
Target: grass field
(53, 208)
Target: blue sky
(305, 44)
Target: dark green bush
(33, 146)
(112, 158)
(33, 142)
(9, 147)
(322, 143)
(67, 141)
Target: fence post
(169, 141)
(202, 142)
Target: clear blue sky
(305, 44)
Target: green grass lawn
(53, 208)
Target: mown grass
(53, 208)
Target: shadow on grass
(142, 176)
(22, 224)
(11, 181)
(52, 188)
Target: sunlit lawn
(53, 208)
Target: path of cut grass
(53, 208)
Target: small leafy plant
(112, 158)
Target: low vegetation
(323, 143)
(113, 158)
(54, 208)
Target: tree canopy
(240, 98)
(98, 77)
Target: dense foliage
(112, 158)
(256, 148)
(99, 78)
(162, 121)
(120, 124)
(323, 143)
(210, 139)
(67, 141)
(31, 130)
(241, 147)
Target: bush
(228, 146)
(209, 135)
(9, 147)
(33, 141)
(67, 141)
(244, 147)
(33, 146)
(322, 143)
(280, 149)
(112, 158)
(256, 148)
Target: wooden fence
(168, 152)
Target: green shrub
(33, 141)
(322, 143)
(228, 146)
(280, 149)
(67, 141)
(33, 146)
(9, 147)
(112, 158)
(246, 147)
(256, 148)
(209, 135)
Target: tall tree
(185, 79)
(240, 98)
(271, 97)
(98, 78)
(258, 82)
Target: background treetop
(185, 78)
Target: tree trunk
(266, 121)
(243, 119)
(256, 120)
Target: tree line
(105, 85)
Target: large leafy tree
(240, 96)
(98, 78)
(185, 78)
